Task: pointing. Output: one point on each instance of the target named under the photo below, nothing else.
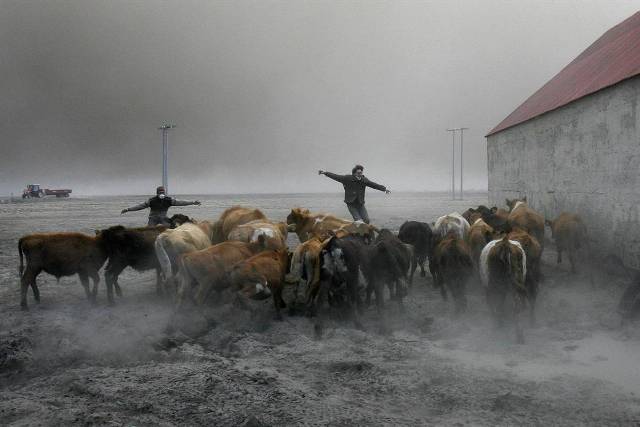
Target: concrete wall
(583, 158)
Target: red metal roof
(614, 57)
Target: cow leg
(294, 300)
(559, 259)
(278, 302)
(370, 289)
(572, 260)
(111, 274)
(311, 301)
(118, 289)
(35, 290)
(158, 282)
(393, 291)
(96, 279)
(433, 269)
(379, 288)
(401, 292)
(532, 294)
(421, 261)
(353, 296)
(84, 281)
(459, 296)
(412, 269)
(519, 332)
(495, 300)
(28, 279)
(443, 288)
(518, 304)
(316, 308)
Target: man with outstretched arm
(159, 205)
(354, 187)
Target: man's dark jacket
(354, 187)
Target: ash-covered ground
(66, 362)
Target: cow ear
(494, 209)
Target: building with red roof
(574, 145)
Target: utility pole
(461, 151)
(453, 163)
(165, 155)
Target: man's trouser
(358, 212)
(158, 220)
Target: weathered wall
(584, 158)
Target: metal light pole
(461, 151)
(453, 162)
(165, 155)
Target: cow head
(179, 219)
(296, 216)
(550, 224)
(333, 258)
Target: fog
(266, 93)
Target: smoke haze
(266, 93)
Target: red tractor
(34, 191)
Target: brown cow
(454, 267)
(533, 252)
(60, 254)
(274, 233)
(307, 225)
(521, 216)
(503, 269)
(570, 234)
(262, 276)
(305, 266)
(173, 243)
(498, 219)
(232, 217)
(207, 268)
(480, 234)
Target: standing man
(159, 205)
(354, 186)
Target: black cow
(133, 247)
(387, 261)
(629, 305)
(420, 236)
(129, 247)
(341, 262)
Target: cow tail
(21, 267)
(297, 265)
(163, 257)
(394, 263)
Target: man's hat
(160, 190)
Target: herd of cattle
(338, 261)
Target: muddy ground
(66, 362)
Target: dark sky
(265, 93)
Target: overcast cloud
(265, 93)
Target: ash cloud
(266, 93)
